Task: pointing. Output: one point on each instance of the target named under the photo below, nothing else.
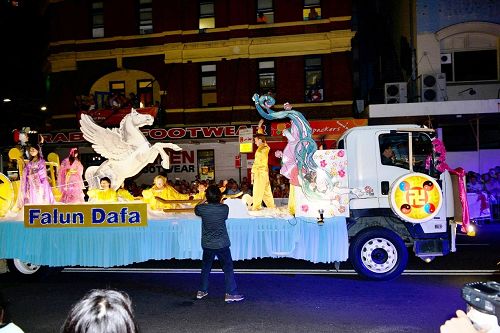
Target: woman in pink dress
(35, 187)
(70, 180)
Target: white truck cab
(377, 156)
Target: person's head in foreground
(101, 311)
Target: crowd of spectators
(487, 182)
(487, 188)
(112, 100)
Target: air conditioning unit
(445, 58)
(395, 93)
(433, 87)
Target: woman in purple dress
(70, 180)
(35, 187)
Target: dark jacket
(213, 225)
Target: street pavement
(419, 301)
(274, 303)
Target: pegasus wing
(105, 141)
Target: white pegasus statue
(126, 149)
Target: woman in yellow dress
(260, 172)
(124, 195)
(161, 191)
(103, 194)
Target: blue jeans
(224, 256)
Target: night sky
(23, 32)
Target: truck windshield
(394, 150)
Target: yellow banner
(123, 214)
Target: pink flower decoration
(341, 173)
(305, 208)
(342, 209)
(340, 153)
(322, 163)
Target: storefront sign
(121, 214)
(332, 129)
(200, 132)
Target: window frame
(264, 71)
(119, 91)
(308, 6)
(141, 91)
(206, 20)
(310, 89)
(145, 26)
(268, 11)
(451, 67)
(97, 29)
(211, 90)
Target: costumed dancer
(70, 180)
(202, 187)
(316, 183)
(288, 158)
(260, 172)
(103, 194)
(124, 195)
(35, 187)
(156, 196)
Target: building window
(208, 85)
(97, 19)
(145, 17)
(117, 87)
(470, 65)
(265, 11)
(312, 10)
(267, 76)
(207, 15)
(470, 57)
(314, 79)
(145, 92)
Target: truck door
(394, 161)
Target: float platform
(174, 236)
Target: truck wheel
(26, 270)
(378, 254)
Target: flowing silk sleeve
(148, 197)
(171, 194)
(109, 196)
(92, 195)
(61, 177)
(124, 195)
(199, 196)
(42, 170)
(79, 168)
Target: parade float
(343, 203)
